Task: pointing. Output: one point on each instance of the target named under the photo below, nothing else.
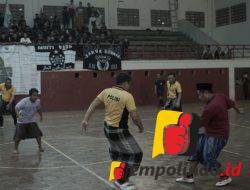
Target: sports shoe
(223, 181)
(1, 127)
(125, 186)
(185, 180)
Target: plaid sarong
(123, 146)
(26, 131)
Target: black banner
(56, 57)
(102, 59)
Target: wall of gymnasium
(234, 33)
(196, 6)
(34, 6)
(74, 90)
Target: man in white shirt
(25, 39)
(27, 127)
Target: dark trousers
(11, 110)
(170, 105)
(245, 91)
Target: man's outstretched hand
(84, 126)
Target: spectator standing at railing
(217, 53)
(92, 23)
(22, 23)
(1, 19)
(80, 15)
(207, 54)
(72, 13)
(89, 12)
(25, 40)
(65, 17)
(37, 22)
(245, 83)
(56, 25)
(99, 19)
(229, 53)
(13, 25)
(124, 46)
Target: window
(196, 18)
(160, 18)
(222, 17)
(238, 13)
(128, 17)
(17, 10)
(51, 11)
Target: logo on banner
(56, 57)
(102, 59)
(103, 62)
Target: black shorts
(27, 131)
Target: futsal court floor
(72, 161)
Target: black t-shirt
(160, 83)
(245, 81)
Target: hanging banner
(57, 57)
(24, 63)
(102, 59)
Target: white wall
(235, 33)
(144, 6)
(196, 6)
(232, 34)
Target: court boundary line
(80, 165)
(241, 126)
(6, 143)
(38, 168)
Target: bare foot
(41, 149)
(15, 152)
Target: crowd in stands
(72, 28)
(218, 53)
(79, 26)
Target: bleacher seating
(148, 44)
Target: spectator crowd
(216, 53)
(78, 25)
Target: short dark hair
(122, 78)
(8, 79)
(32, 91)
(203, 87)
(172, 74)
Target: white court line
(78, 164)
(237, 125)
(39, 168)
(6, 143)
(94, 163)
(150, 132)
(74, 138)
(235, 153)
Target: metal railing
(158, 50)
